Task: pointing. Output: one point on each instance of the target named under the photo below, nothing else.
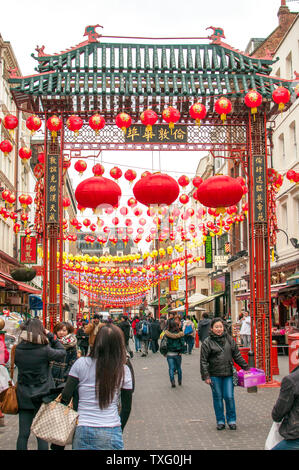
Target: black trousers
(25, 421)
(155, 345)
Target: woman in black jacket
(216, 366)
(175, 348)
(32, 358)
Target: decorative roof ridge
(13, 76)
(267, 58)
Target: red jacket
(134, 323)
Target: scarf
(68, 341)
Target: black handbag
(163, 346)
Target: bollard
(251, 364)
(196, 340)
(275, 368)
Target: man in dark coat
(286, 409)
(82, 339)
(155, 331)
(204, 327)
(125, 326)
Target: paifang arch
(114, 77)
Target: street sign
(52, 213)
(208, 252)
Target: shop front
(220, 289)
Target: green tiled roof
(128, 70)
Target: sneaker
(233, 427)
(143, 355)
(180, 383)
(220, 427)
(173, 384)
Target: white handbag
(55, 422)
(273, 437)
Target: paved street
(182, 418)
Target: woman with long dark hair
(175, 348)
(216, 366)
(101, 378)
(37, 348)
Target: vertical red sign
(28, 250)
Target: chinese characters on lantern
(260, 190)
(52, 215)
(158, 133)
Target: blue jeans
(287, 444)
(137, 343)
(189, 340)
(87, 437)
(174, 363)
(223, 389)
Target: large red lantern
(198, 111)
(171, 116)
(97, 122)
(281, 96)
(10, 122)
(183, 181)
(219, 191)
(96, 191)
(25, 153)
(116, 173)
(6, 147)
(223, 107)
(130, 175)
(156, 189)
(123, 121)
(98, 170)
(33, 123)
(54, 124)
(74, 124)
(80, 166)
(149, 118)
(253, 99)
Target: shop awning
(210, 298)
(275, 290)
(204, 300)
(5, 279)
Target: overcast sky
(60, 24)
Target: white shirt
(246, 326)
(89, 412)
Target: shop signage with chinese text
(159, 133)
(52, 213)
(28, 251)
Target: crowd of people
(91, 367)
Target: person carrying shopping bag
(33, 355)
(216, 366)
(102, 379)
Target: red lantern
(132, 202)
(80, 166)
(198, 111)
(171, 116)
(11, 199)
(223, 106)
(66, 202)
(123, 121)
(24, 218)
(54, 124)
(6, 147)
(149, 118)
(13, 215)
(281, 96)
(86, 222)
(115, 220)
(22, 200)
(145, 173)
(81, 208)
(123, 210)
(16, 228)
(137, 212)
(128, 222)
(197, 181)
(183, 181)
(97, 122)
(130, 175)
(29, 200)
(219, 191)
(116, 173)
(98, 170)
(74, 123)
(184, 199)
(291, 174)
(253, 99)
(66, 164)
(25, 153)
(93, 227)
(41, 158)
(10, 122)
(96, 191)
(156, 189)
(33, 123)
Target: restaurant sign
(28, 251)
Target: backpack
(188, 330)
(163, 346)
(145, 329)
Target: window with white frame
(293, 140)
(289, 66)
(281, 146)
(284, 216)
